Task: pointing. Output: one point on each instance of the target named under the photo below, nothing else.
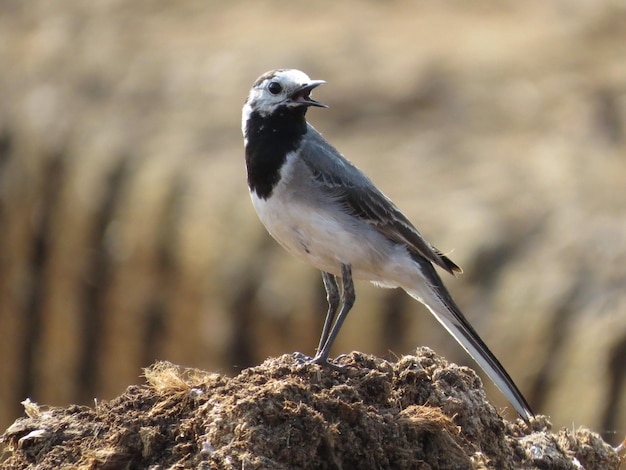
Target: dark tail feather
(436, 297)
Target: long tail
(436, 297)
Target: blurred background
(127, 234)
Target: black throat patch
(270, 139)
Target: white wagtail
(325, 211)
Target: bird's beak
(302, 96)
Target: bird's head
(283, 88)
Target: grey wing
(334, 174)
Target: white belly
(327, 239)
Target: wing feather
(334, 174)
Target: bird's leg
(347, 297)
(334, 299)
(332, 295)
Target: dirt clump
(417, 413)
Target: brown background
(127, 235)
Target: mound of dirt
(419, 412)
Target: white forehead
(285, 77)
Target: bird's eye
(274, 88)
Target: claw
(301, 359)
(323, 361)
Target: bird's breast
(324, 236)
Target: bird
(322, 209)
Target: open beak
(302, 96)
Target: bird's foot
(331, 365)
(303, 359)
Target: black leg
(332, 295)
(347, 297)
